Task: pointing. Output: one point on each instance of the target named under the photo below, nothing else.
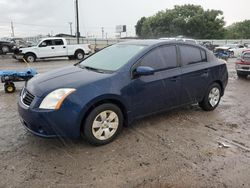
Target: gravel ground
(185, 147)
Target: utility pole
(70, 27)
(12, 29)
(102, 32)
(77, 21)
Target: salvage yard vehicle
(236, 49)
(52, 47)
(119, 84)
(6, 47)
(8, 77)
(243, 65)
(222, 52)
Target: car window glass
(191, 55)
(48, 42)
(58, 42)
(161, 58)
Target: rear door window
(58, 42)
(161, 58)
(192, 55)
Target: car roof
(52, 38)
(151, 42)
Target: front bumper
(49, 123)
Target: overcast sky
(33, 17)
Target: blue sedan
(96, 97)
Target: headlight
(54, 100)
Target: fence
(100, 43)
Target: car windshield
(111, 58)
(38, 42)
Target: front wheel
(211, 98)
(9, 87)
(103, 124)
(30, 58)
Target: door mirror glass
(143, 71)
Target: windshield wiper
(91, 68)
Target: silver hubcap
(214, 96)
(79, 55)
(30, 59)
(105, 125)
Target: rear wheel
(9, 87)
(103, 124)
(211, 98)
(79, 54)
(30, 58)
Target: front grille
(27, 97)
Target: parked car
(6, 47)
(243, 65)
(236, 49)
(52, 47)
(119, 84)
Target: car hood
(26, 49)
(67, 77)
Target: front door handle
(52, 47)
(64, 47)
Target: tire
(97, 126)
(5, 49)
(208, 103)
(9, 87)
(79, 54)
(240, 75)
(30, 58)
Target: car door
(46, 49)
(161, 90)
(60, 48)
(195, 73)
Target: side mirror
(43, 44)
(143, 71)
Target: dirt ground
(186, 147)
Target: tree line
(191, 21)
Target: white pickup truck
(52, 47)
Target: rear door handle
(52, 47)
(64, 47)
